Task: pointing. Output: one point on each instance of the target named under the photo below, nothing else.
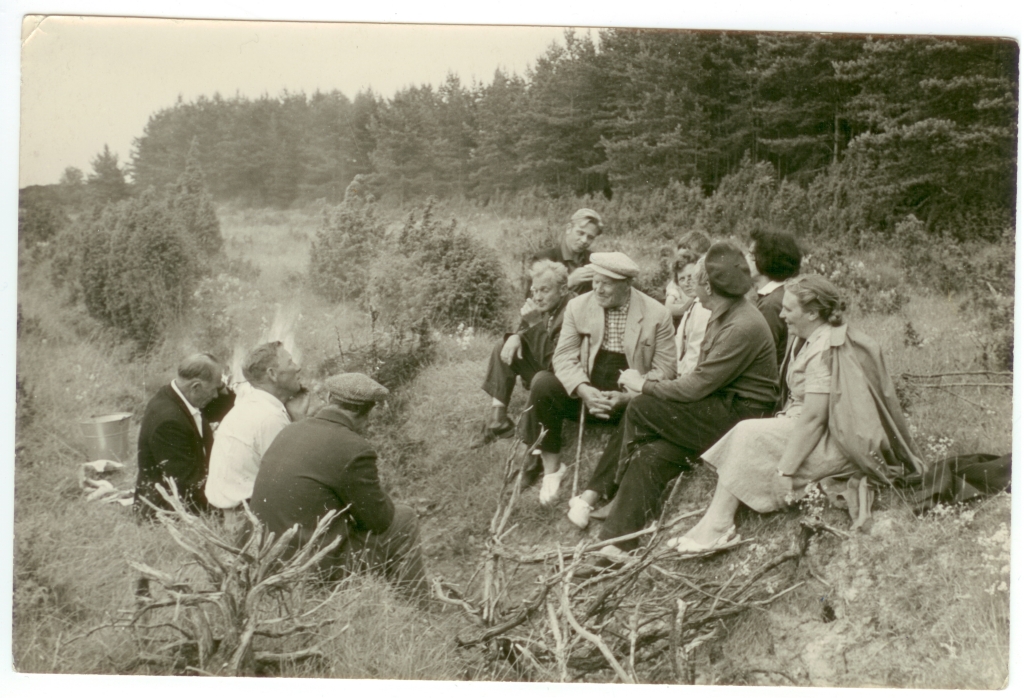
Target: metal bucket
(106, 437)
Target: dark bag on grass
(960, 478)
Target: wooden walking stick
(583, 415)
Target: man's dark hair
(259, 361)
(776, 253)
(205, 367)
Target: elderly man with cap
(324, 464)
(736, 378)
(574, 249)
(613, 328)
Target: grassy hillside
(915, 602)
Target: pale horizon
(116, 72)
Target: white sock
(495, 402)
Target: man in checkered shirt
(613, 328)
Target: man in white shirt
(248, 430)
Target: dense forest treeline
(874, 128)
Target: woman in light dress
(767, 463)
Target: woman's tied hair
(819, 295)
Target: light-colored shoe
(550, 484)
(614, 553)
(688, 546)
(579, 512)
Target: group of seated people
(695, 377)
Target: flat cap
(614, 265)
(587, 214)
(355, 388)
(727, 269)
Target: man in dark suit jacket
(528, 350)
(175, 437)
(324, 464)
(574, 249)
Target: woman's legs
(717, 520)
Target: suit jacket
(319, 465)
(171, 446)
(649, 341)
(541, 338)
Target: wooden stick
(592, 638)
(958, 373)
(965, 385)
(583, 417)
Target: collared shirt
(737, 356)
(242, 438)
(615, 328)
(690, 336)
(197, 416)
(769, 287)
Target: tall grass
(71, 569)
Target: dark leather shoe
(489, 435)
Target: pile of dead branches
(208, 615)
(641, 620)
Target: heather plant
(344, 244)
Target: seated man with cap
(246, 433)
(324, 464)
(528, 350)
(613, 328)
(736, 378)
(574, 250)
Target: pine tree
(192, 206)
(107, 183)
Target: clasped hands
(601, 403)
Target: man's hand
(298, 406)
(512, 350)
(618, 399)
(632, 380)
(531, 313)
(580, 276)
(598, 403)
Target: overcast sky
(96, 80)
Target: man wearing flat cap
(324, 464)
(604, 332)
(573, 252)
(736, 378)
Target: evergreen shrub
(435, 271)
(133, 266)
(340, 253)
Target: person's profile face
(546, 292)
(581, 235)
(287, 373)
